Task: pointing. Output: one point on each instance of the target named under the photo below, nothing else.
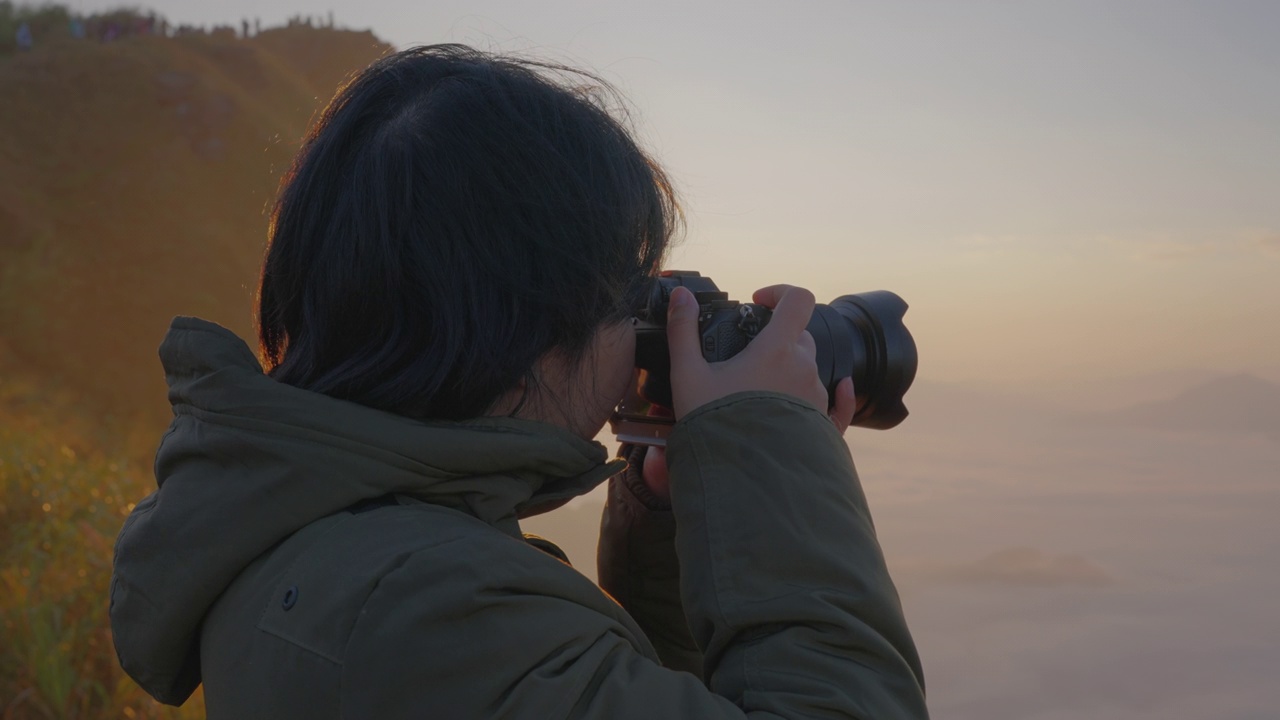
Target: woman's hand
(781, 360)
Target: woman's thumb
(682, 327)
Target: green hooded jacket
(306, 557)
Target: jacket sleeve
(637, 564)
(782, 581)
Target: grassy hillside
(134, 180)
(62, 501)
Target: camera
(860, 336)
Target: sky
(1061, 191)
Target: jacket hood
(249, 461)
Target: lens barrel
(868, 341)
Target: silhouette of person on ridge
(24, 38)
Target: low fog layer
(1061, 564)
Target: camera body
(725, 327)
(859, 336)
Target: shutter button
(290, 597)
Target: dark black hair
(452, 217)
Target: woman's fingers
(682, 327)
(846, 404)
(689, 371)
(792, 307)
(654, 473)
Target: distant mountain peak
(1238, 383)
(1240, 402)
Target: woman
(444, 318)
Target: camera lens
(863, 335)
(859, 335)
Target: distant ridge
(1234, 404)
(135, 177)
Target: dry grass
(65, 487)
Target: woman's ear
(512, 401)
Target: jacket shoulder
(339, 563)
(489, 627)
(280, 630)
(415, 591)
(311, 590)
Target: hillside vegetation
(134, 182)
(135, 177)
